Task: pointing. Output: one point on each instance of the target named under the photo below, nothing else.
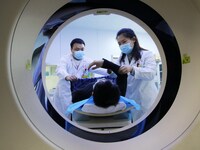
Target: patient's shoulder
(92, 108)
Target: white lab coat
(141, 86)
(69, 66)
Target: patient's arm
(121, 78)
(110, 65)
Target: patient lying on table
(105, 99)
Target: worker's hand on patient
(125, 69)
(96, 64)
(71, 78)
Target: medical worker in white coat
(140, 65)
(71, 67)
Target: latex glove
(71, 78)
(125, 69)
(96, 64)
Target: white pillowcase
(92, 108)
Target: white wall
(100, 43)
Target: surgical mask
(78, 54)
(126, 48)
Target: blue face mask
(126, 48)
(78, 54)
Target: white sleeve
(147, 69)
(61, 70)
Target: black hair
(77, 40)
(106, 94)
(135, 53)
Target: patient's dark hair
(106, 94)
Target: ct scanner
(26, 125)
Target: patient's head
(105, 93)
